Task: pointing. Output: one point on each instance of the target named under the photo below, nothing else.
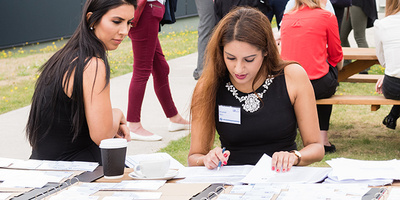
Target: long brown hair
(242, 24)
(392, 7)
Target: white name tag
(229, 114)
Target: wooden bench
(363, 78)
(374, 101)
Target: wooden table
(364, 58)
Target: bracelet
(298, 155)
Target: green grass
(19, 66)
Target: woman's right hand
(211, 160)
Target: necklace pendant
(251, 104)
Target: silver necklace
(251, 101)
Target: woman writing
(253, 99)
(71, 109)
(387, 39)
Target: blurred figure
(358, 17)
(310, 36)
(149, 59)
(205, 9)
(387, 40)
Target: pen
(220, 163)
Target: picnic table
(364, 58)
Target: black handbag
(169, 14)
(341, 3)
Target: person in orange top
(310, 36)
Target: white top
(161, 1)
(387, 43)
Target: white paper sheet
(133, 160)
(55, 165)
(227, 174)
(262, 173)
(139, 185)
(136, 195)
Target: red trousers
(149, 59)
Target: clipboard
(375, 194)
(209, 192)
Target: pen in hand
(220, 163)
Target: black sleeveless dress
(58, 143)
(272, 128)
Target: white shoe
(177, 127)
(153, 137)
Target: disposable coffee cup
(113, 152)
(157, 168)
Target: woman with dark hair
(253, 99)
(387, 40)
(71, 109)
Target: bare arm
(302, 96)
(103, 121)
(202, 140)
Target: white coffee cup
(152, 168)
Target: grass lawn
(356, 131)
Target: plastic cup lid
(113, 143)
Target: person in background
(358, 17)
(254, 100)
(223, 7)
(71, 108)
(310, 36)
(149, 59)
(387, 44)
(277, 9)
(205, 9)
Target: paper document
(227, 174)
(344, 169)
(55, 165)
(262, 173)
(133, 160)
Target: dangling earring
(91, 28)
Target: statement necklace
(251, 101)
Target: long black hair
(68, 61)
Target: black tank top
(58, 144)
(270, 129)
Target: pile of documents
(373, 173)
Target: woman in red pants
(149, 59)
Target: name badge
(229, 114)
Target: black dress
(58, 143)
(272, 128)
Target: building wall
(31, 21)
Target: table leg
(354, 68)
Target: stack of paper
(374, 173)
(262, 173)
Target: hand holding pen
(216, 158)
(220, 162)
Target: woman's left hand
(123, 132)
(283, 161)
